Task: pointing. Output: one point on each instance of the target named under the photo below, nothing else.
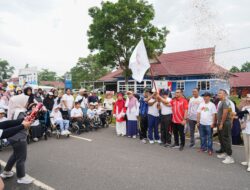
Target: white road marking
(82, 138)
(35, 181)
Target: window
(203, 85)
(180, 85)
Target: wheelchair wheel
(109, 119)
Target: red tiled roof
(242, 80)
(56, 84)
(192, 62)
(111, 76)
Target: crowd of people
(62, 114)
(154, 116)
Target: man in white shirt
(166, 118)
(67, 102)
(206, 121)
(193, 105)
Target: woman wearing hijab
(132, 113)
(17, 105)
(119, 113)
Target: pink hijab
(131, 103)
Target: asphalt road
(109, 162)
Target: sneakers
(24, 180)
(228, 160)
(67, 132)
(167, 145)
(134, 136)
(35, 139)
(244, 163)
(221, 156)
(248, 169)
(144, 141)
(181, 148)
(175, 146)
(7, 174)
(191, 146)
(151, 142)
(63, 133)
(159, 142)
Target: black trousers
(178, 130)
(166, 121)
(18, 156)
(143, 126)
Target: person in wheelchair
(77, 116)
(57, 119)
(102, 114)
(92, 115)
(36, 130)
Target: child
(132, 113)
(119, 113)
(108, 102)
(91, 111)
(58, 120)
(77, 114)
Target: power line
(231, 50)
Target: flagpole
(152, 77)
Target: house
(240, 84)
(185, 70)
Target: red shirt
(179, 106)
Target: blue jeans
(64, 124)
(206, 137)
(153, 123)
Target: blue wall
(215, 85)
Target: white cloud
(52, 33)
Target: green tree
(5, 69)
(46, 75)
(87, 69)
(118, 27)
(234, 69)
(245, 67)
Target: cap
(50, 94)
(2, 111)
(207, 94)
(96, 103)
(91, 104)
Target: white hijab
(17, 104)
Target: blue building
(185, 70)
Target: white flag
(139, 62)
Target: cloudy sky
(52, 33)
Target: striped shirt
(179, 106)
